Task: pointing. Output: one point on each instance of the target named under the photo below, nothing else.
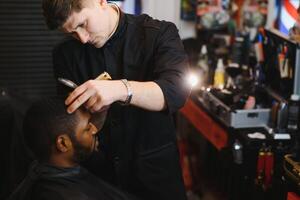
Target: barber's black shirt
(140, 145)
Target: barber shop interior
(150, 100)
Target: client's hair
(44, 121)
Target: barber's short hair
(43, 122)
(56, 12)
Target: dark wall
(25, 74)
(25, 49)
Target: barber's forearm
(146, 95)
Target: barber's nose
(83, 36)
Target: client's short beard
(80, 153)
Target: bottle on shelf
(203, 65)
(293, 112)
(219, 76)
(237, 152)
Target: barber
(148, 64)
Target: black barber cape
(45, 182)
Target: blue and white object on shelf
(288, 15)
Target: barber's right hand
(96, 95)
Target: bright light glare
(192, 80)
(237, 147)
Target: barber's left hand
(96, 95)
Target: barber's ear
(63, 143)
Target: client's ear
(63, 143)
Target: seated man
(59, 141)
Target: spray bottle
(219, 77)
(203, 64)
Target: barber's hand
(96, 95)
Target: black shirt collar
(120, 29)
